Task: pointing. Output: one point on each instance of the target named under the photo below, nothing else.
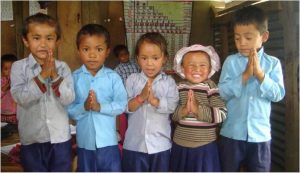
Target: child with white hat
(199, 112)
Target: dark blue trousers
(46, 157)
(201, 159)
(133, 161)
(105, 159)
(254, 157)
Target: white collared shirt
(149, 128)
(42, 116)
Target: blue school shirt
(149, 128)
(97, 129)
(249, 105)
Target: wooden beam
(69, 14)
(291, 54)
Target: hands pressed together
(147, 94)
(91, 103)
(191, 107)
(253, 68)
(48, 67)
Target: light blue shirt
(97, 129)
(42, 116)
(249, 105)
(149, 129)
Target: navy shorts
(253, 157)
(46, 157)
(106, 159)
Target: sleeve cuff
(55, 85)
(40, 83)
(265, 85)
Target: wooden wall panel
(69, 16)
(201, 29)
(289, 17)
(8, 38)
(116, 29)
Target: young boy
(126, 67)
(100, 97)
(249, 82)
(42, 87)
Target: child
(199, 111)
(153, 96)
(126, 67)
(42, 88)
(100, 97)
(8, 105)
(249, 82)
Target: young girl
(199, 111)
(8, 105)
(153, 96)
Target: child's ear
(25, 42)
(265, 36)
(57, 42)
(107, 52)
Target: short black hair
(8, 58)
(119, 48)
(251, 15)
(93, 29)
(154, 38)
(41, 19)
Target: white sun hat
(214, 58)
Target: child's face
(40, 39)
(196, 67)
(6, 68)
(93, 51)
(123, 56)
(248, 37)
(151, 59)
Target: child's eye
(50, 38)
(99, 49)
(249, 38)
(84, 49)
(156, 58)
(35, 38)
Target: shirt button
(48, 121)
(251, 98)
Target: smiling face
(151, 59)
(196, 66)
(93, 51)
(248, 37)
(39, 39)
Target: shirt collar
(99, 72)
(33, 63)
(161, 75)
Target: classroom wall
(72, 15)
